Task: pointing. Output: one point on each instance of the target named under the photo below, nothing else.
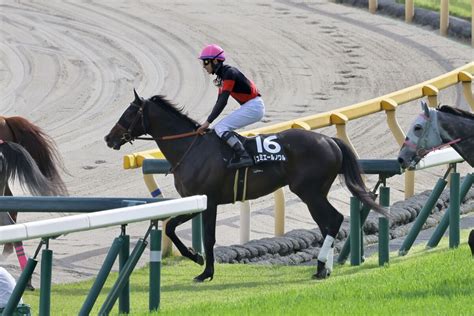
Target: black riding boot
(242, 158)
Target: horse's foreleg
(171, 233)
(209, 223)
(8, 219)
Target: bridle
(421, 151)
(127, 136)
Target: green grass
(436, 282)
(459, 8)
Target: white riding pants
(250, 112)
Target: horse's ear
(425, 108)
(137, 97)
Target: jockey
(231, 82)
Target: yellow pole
(466, 78)
(244, 222)
(340, 120)
(431, 92)
(390, 107)
(167, 246)
(373, 4)
(279, 197)
(444, 17)
(409, 10)
(409, 183)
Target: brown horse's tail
(17, 163)
(41, 147)
(353, 179)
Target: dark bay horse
(435, 128)
(44, 153)
(313, 162)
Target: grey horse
(436, 128)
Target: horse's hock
(300, 245)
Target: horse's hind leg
(329, 221)
(171, 233)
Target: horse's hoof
(201, 278)
(30, 286)
(321, 275)
(198, 258)
(321, 272)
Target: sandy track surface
(70, 67)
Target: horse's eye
(417, 130)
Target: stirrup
(241, 163)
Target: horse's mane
(456, 111)
(179, 111)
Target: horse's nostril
(400, 160)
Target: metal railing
(52, 228)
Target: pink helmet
(212, 51)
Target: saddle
(262, 149)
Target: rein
(184, 155)
(427, 151)
(177, 136)
(126, 136)
(171, 137)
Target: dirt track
(71, 66)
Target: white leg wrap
(324, 252)
(330, 262)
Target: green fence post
(355, 232)
(443, 225)
(45, 282)
(101, 277)
(155, 269)
(384, 235)
(422, 216)
(123, 277)
(344, 253)
(20, 287)
(124, 254)
(197, 232)
(454, 212)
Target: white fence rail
(75, 223)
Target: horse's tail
(353, 179)
(41, 147)
(17, 163)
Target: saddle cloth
(264, 148)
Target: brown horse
(43, 150)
